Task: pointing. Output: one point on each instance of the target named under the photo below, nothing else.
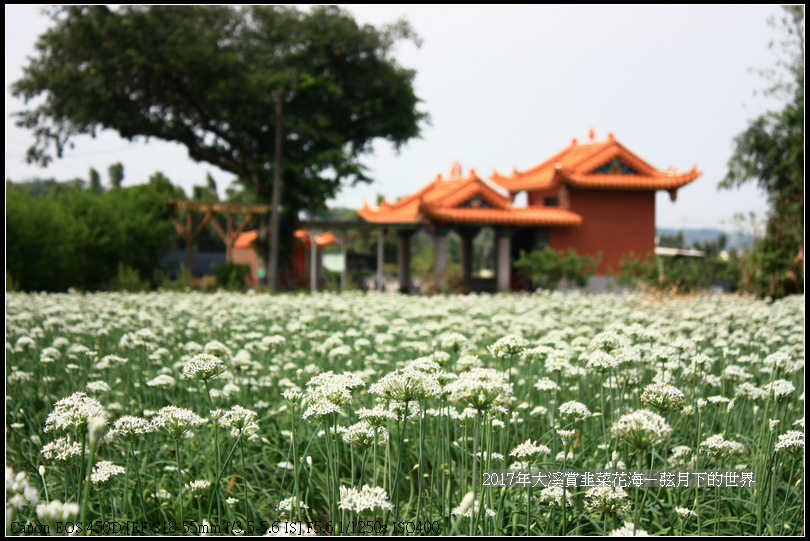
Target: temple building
(595, 197)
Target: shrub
(547, 268)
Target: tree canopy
(211, 77)
(771, 152)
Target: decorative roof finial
(591, 134)
(455, 169)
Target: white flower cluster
(508, 345)
(641, 428)
(601, 361)
(365, 434)
(608, 341)
(327, 393)
(566, 435)
(406, 385)
(607, 500)
(203, 367)
(73, 413)
(779, 389)
(367, 498)
(98, 387)
(663, 397)
(162, 381)
(480, 389)
(62, 450)
(176, 421)
(103, 472)
(546, 384)
(56, 511)
(749, 390)
(472, 510)
(530, 451)
(198, 487)
(376, 416)
(241, 421)
(288, 504)
(791, 442)
(576, 411)
(452, 341)
(718, 446)
(681, 457)
(18, 493)
(553, 497)
(130, 428)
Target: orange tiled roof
(246, 239)
(536, 216)
(604, 164)
(322, 240)
(466, 200)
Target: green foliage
(11, 283)
(116, 173)
(771, 152)
(184, 281)
(95, 182)
(74, 238)
(546, 268)
(128, 279)
(232, 276)
(210, 78)
(679, 274)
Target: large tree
(771, 152)
(265, 92)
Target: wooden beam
(179, 228)
(242, 226)
(208, 217)
(220, 231)
(189, 243)
(223, 207)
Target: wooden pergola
(189, 233)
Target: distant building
(592, 197)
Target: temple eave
(545, 217)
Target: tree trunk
(272, 264)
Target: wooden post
(189, 243)
(344, 277)
(313, 262)
(466, 256)
(504, 264)
(404, 259)
(380, 241)
(440, 257)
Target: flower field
(170, 413)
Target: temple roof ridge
(580, 164)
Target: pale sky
(508, 86)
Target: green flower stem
(477, 431)
(87, 483)
(179, 481)
(216, 443)
(401, 457)
(244, 473)
(224, 465)
(138, 479)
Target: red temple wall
(614, 222)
